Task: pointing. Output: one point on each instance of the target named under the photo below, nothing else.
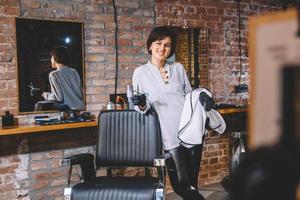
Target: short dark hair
(160, 33)
(60, 54)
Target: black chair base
(116, 188)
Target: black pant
(183, 171)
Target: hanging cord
(116, 46)
(240, 46)
(298, 9)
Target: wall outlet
(241, 88)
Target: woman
(165, 85)
(64, 81)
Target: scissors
(30, 86)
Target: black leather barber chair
(125, 139)
(46, 105)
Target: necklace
(163, 73)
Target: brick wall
(135, 20)
(221, 17)
(29, 163)
(8, 84)
(25, 163)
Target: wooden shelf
(232, 110)
(33, 128)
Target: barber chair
(126, 138)
(45, 105)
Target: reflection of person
(165, 85)
(64, 81)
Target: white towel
(193, 118)
(216, 121)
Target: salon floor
(210, 192)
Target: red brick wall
(25, 164)
(8, 75)
(29, 163)
(135, 20)
(221, 17)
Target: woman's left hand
(206, 101)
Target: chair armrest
(162, 160)
(67, 193)
(78, 159)
(86, 162)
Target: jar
(7, 119)
(110, 105)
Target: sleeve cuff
(144, 109)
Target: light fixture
(67, 40)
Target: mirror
(35, 39)
(192, 51)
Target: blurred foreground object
(273, 172)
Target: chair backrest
(127, 138)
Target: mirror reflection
(192, 51)
(50, 64)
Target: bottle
(7, 119)
(129, 95)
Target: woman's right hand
(139, 100)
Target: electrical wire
(298, 8)
(239, 35)
(116, 45)
(21, 8)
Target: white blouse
(166, 97)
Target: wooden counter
(235, 119)
(232, 110)
(33, 128)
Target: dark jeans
(183, 171)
